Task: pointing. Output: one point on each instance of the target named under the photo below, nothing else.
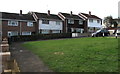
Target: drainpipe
(20, 29)
(66, 25)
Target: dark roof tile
(6, 15)
(46, 16)
(90, 16)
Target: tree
(115, 24)
(108, 21)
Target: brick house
(17, 24)
(47, 22)
(72, 23)
(93, 22)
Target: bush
(40, 37)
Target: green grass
(78, 55)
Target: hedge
(39, 37)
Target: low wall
(81, 35)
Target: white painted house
(93, 22)
(48, 23)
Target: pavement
(27, 61)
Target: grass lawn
(78, 55)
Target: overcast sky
(100, 8)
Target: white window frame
(45, 21)
(55, 31)
(80, 22)
(12, 33)
(98, 21)
(58, 22)
(91, 20)
(70, 21)
(26, 33)
(30, 24)
(44, 31)
(10, 23)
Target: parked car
(99, 33)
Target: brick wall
(24, 27)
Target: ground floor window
(77, 30)
(12, 33)
(93, 29)
(45, 31)
(55, 31)
(26, 33)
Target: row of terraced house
(46, 23)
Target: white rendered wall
(51, 26)
(94, 24)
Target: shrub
(40, 37)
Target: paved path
(27, 61)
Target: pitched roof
(69, 16)
(46, 16)
(90, 16)
(6, 15)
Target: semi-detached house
(48, 23)
(14, 24)
(93, 22)
(72, 23)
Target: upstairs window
(13, 23)
(80, 22)
(98, 21)
(30, 24)
(91, 20)
(57, 22)
(70, 21)
(45, 21)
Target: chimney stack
(71, 13)
(20, 12)
(48, 12)
(89, 12)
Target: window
(26, 33)
(30, 24)
(56, 31)
(77, 30)
(57, 22)
(12, 33)
(71, 21)
(91, 20)
(13, 23)
(45, 31)
(80, 22)
(45, 21)
(98, 21)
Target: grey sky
(100, 8)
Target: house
(47, 22)
(14, 24)
(72, 23)
(93, 22)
